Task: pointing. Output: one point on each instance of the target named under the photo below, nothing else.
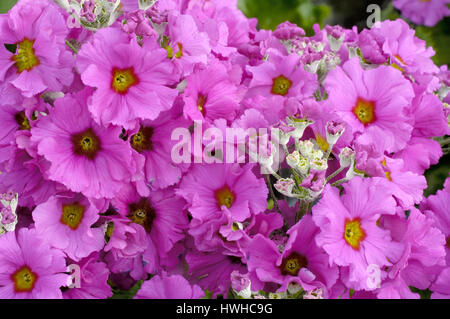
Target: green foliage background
(347, 13)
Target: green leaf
(127, 294)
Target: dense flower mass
(175, 148)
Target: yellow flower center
(142, 213)
(24, 279)
(321, 142)
(292, 264)
(22, 120)
(72, 215)
(25, 59)
(142, 140)
(388, 175)
(170, 51)
(399, 59)
(281, 85)
(109, 231)
(353, 233)
(224, 197)
(201, 101)
(365, 111)
(86, 144)
(123, 79)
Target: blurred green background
(346, 13)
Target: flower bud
(319, 165)
(300, 125)
(346, 157)
(285, 186)
(334, 131)
(240, 283)
(306, 148)
(293, 159)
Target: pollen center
(353, 233)
(72, 215)
(123, 79)
(364, 111)
(142, 213)
(281, 85)
(86, 144)
(22, 120)
(24, 279)
(224, 197)
(170, 51)
(321, 142)
(25, 58)
(201, 101)
(142, 140)
(292, 264)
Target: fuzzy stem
(329, 178)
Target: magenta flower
(406, 52)
(85, 157)
(161, 215)
(372, 108)
(438, 208)
(211, 188)
(426, 12)
(210, 94)
(186, 46)
(65, 222)
(152, 140)
(93, 280)
(213, 270)
(126, 77)
(282, 76)
(169, 287)
(441, 287)
(349, 231)
(29, 268)
(39, 58)
(301, 261)
(424, 254)
(24, 176)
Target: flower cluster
(94, 93)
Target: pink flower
(301, 261)
(424, 254)
(210, 95)
(282, 76)
(93, 280)
(39, 58)
(212, 188)
(419, 154)
(66, 221)
(374, 109)
(213, 270)
(84, 156)
(441, 287)
(187, 47)
(426, 12)
(24, 176)
(152, 141)
(407, 187)
(349, 231)
(161, 216)
(437, 207)
(126, 77)
(169, 287)
(29, 268)
(405, 51)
